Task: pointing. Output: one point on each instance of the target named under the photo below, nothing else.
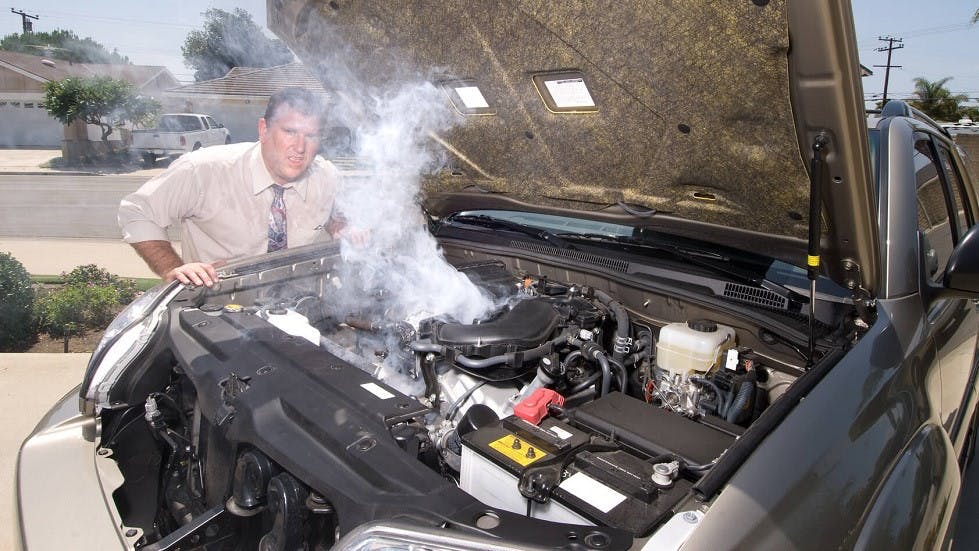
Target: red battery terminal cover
(534, 407)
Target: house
(22, 77)
(238, 98)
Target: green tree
(230, 40)
(935, 100)
(64, 45)
(103, 101)
(17, 329)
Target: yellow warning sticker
(517, 450)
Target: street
(52, 205)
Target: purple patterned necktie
(277, 221)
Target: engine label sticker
(376, 390)
(561, 433)
(593, 492)
(517, 450)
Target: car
(176, 134)
(670, 288)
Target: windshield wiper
(714, 261)
(498, 223)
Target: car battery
(600, 483)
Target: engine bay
(562, 404)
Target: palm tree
(935, 100)
(975, 16)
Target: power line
(74, 17)
(915, 33)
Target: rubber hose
(622, 374)
(585, 384)
(482, 363)
(745, 393)
(606, 372)
(621, 321)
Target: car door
(215, 134)
(944, 215)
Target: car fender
(916, 501)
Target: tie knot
(278, 190)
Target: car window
(962, 218)
(210, 122)
(933, 209)
(874, 136)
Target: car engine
(560, 404)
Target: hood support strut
(817, 174)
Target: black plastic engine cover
(528, 324)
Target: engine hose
(606, 372)
(580, 394)
(482, 363)
(454, 408)
(623, 341)
(419, 346)
(620, 371)
(585, 384)
(645, 346)
(574, 355)
(593, 351)
(745, 394)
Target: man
(237, 200)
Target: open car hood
(692, 117)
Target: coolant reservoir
(693, 347)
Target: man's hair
(299, 99)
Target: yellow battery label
(517, 450)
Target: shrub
(77, 307)
(17, 330)
(92, 275)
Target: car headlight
(123, 340)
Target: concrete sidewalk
(40, 161)
(27, 402)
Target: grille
(756, 295)
(587, 258)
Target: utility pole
(25, 19)
(889, 48)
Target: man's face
(289, 143)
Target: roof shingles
(48, 70)
(254, 81)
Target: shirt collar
(262, 179)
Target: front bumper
(63, 486)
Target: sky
(938, 39)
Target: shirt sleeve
(161, 202)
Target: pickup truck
(176, 134)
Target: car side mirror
(962, 272)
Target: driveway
(27, 401)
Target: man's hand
(164, 261)
(193, 273)
(358, 238)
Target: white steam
(386, 246)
